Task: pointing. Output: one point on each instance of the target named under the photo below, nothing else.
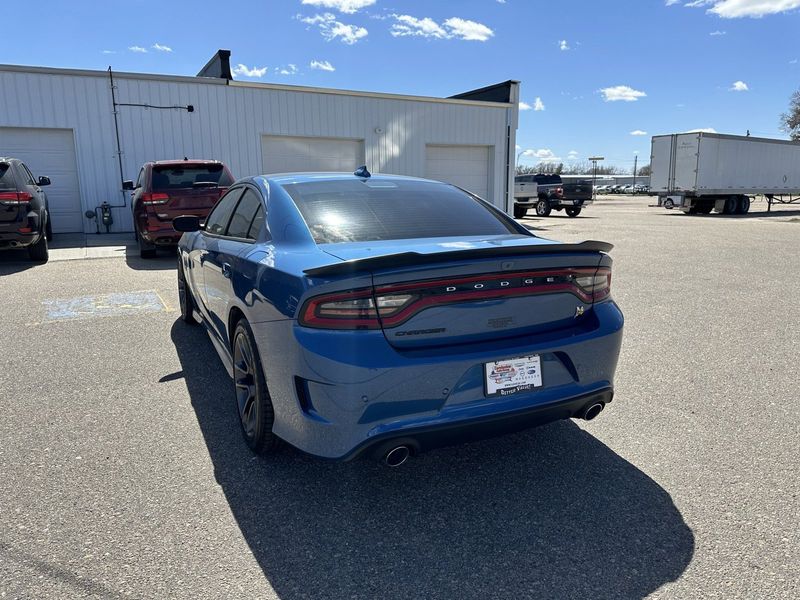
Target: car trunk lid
(443, 292)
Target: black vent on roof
(218, 67)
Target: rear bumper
(18, 240)
(422, 439)
(340, 395)
(566, 203)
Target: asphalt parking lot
(122, 471)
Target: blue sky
(599, 69)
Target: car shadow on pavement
(15, 261)
(165, 259)
(548, 513)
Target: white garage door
(49, 152)
(464, 166)
(282, 154)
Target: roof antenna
(362, 172)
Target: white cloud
(524, 105)
(739, 86)
(468, 30)
(638, 132)
(454, 27)
(717, 32)
(344, 6)
(161, 47)
(517, 146)
(622, 93)
(736, 9)
(563, 45)
(703, 130)
(538, 105)
(412, 26)
(546, 155)
(244, 71)
(793, 61)
(288, 70)
(332, 29)
(527, 153)
(138, 49)
(572, 154)
(109, 51)
(322, 65)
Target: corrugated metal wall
(228, 122)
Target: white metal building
(61, 123)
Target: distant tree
(790, 121)
(645, 171)
(580, 168)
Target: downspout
(512, 121)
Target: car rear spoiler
(405, 259)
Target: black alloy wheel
(252, 398)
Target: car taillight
(155, 198)
(15, 197)
(392, 305)
(559, 192)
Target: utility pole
(594, 160)
(635, 164)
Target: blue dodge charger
(383, 316)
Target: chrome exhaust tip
(396, 456)
(593, 410)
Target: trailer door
(686, 153)
(661, 163)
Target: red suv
(170, 188)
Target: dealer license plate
(507, 377)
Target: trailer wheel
(744, 205)
(731, 205)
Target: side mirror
(44, 180)
(127, 185)
(186, 223)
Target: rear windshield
(363, 211)
(7, 177)
(548, 179)
(174, 177)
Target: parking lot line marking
(105, 305)
(167, 307)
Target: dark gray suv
(24, 214)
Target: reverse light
(392, 305)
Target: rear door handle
(226, 270)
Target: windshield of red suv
(175, 177)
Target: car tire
(520, 211)
(253, 402)
(543, 207)
(669, 204)
(185, 298)
(744, 205)
(146, 250)
(574, 212)
(48, 228)
(39, 251)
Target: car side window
(27, 175)
(217, 221)
(244, 214)
(257, 225)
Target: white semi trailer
(701, 172)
